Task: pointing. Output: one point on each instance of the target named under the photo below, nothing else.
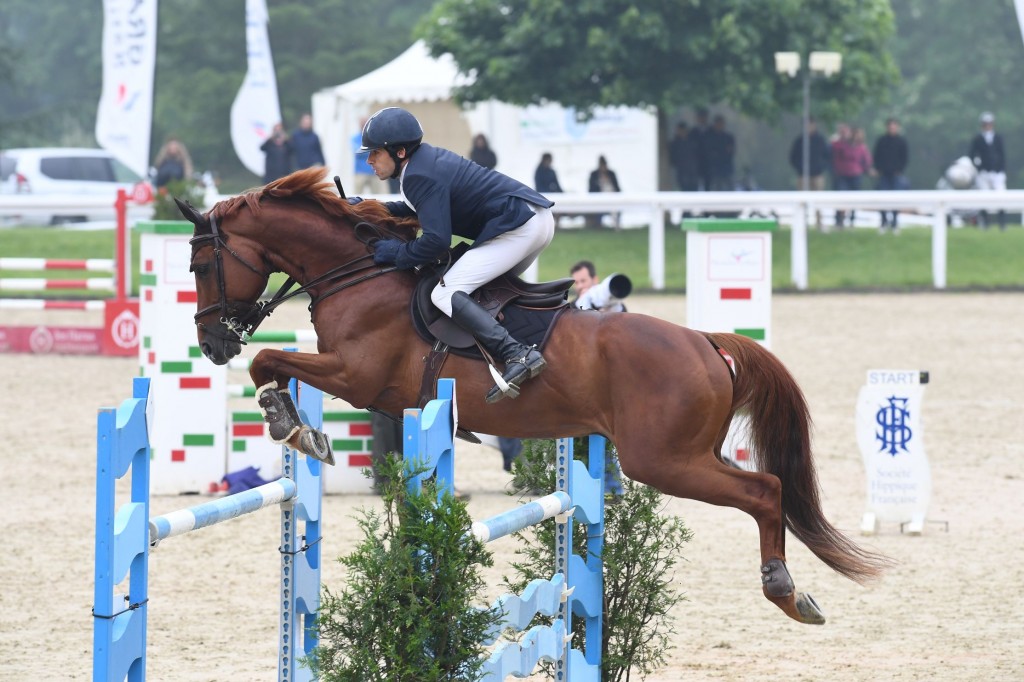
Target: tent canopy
(413, 76)
(519, 135)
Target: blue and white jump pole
(577, 586)
(124, 539)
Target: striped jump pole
(34, 264)
(119, 333)
(575, 589)
(218, 511)
(41, 284)
(45, 304)
(125, 537)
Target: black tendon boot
(522, 362)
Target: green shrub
(410, 608)
(164, 207)
(642, 547)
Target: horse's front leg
(271, 370)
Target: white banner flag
(1019, 4)
(125, 115)
(256, 108)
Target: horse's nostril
(207, 348)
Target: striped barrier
(729, 289)
(119, 335)
(204, 435)
(575, 589)
(124, 539)
(38, 284)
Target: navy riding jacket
(451, 195)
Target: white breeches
(991, 180)
(512, 252)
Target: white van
(67, 171)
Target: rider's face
(382, 163)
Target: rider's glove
(385, 251)
(354, 200)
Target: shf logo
(894, 433)
(125, 329)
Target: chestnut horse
(660, 392)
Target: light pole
(825, 63)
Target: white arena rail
(792, 208)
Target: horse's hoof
(316, 445)
(809, 610)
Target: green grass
(850, 260)
(854, 259)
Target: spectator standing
(989, 158)
(545, 179)
(720, 148)
(850, 161)
(682, 155)
(278, 148)
(306, 144)
(602, 179)
(700, 133)
(173, 163)
(891, 158)
(482, 154)
(817, 162)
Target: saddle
(529, 312)
(526, 310)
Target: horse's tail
(781, 443)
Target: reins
(246, 322)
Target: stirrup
(517, 372)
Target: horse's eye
(200, 268)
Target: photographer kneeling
(593, 294)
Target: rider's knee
(442, 298)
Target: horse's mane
(310, 184)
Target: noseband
(247, 315)
(242, 319)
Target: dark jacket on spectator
(306, 145)
(988, 157)
(819, 158)
(891, 155)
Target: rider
(509, 223)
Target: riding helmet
(390, 128)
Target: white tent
(416, 81)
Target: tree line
(935, 64)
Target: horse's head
(230, 277)
(298, 225)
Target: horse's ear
(189, 212)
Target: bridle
(242, 319)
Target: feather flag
(125, 115)
(256, 108)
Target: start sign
(891, 441)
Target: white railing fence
(932, 207)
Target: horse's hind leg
(704, 477)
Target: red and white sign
(44, 339)
(121, 328)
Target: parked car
(66, 171)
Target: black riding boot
(522, 362)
